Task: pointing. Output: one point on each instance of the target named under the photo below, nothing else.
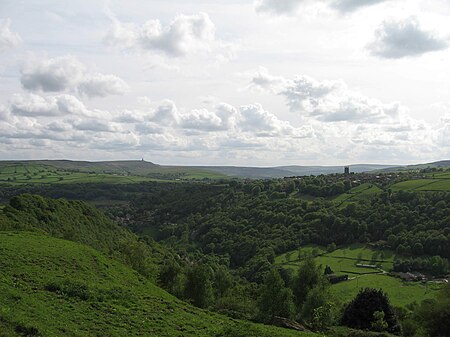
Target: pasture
(363, 191)
(344, 260)
(32, 173)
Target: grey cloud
(8, 38)
(52, 75)
(102, 85)
(352, 5)
(398, 39)
(58, 126)
(4, 113)
(280, 7)
(130, 117)
(201, 119)
(148, 128)
(93, 125)
(66, 73)
(291, 7)
(165, 114)
(34, 105)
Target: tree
(198, 287)
(309, 276)
(169, 275)
(318, 297)
(434, 314)
(360, 313)
(275, 299)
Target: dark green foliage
(198, 288)
(70, 288)
(242, 330)
(275, 299)
(434, 315)
(309, 275)
(27, 331)
(169, 276)
(318, 297)
(360, 313)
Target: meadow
(343, 261)
(363, 191)
(31, 173)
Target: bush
(70, 288)
(361, 312)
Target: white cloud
(8, 38)
(33, 105)
(95, 125)
(328, 101)
(67, 73)
(201, 119)
(255, 119)
(398, 39)
(102, 85)
(184, 35)
(165, 114)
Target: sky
(226, 82)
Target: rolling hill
(131, 171)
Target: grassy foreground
(53, 287)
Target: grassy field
(436, 185)
(52, 287)
(412, 184)
(363, 191)
(343, 261)
(31, 173)
(400, 293)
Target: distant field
(343, 261)
(24, 173)
(441, 175)
(437, 184)
(363, 191)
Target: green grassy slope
(53, 287)
(80, 222)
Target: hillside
(79, 222)
(52, 287)
(289, 171)
(436, 164)
(120, 172)
(133, 171)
